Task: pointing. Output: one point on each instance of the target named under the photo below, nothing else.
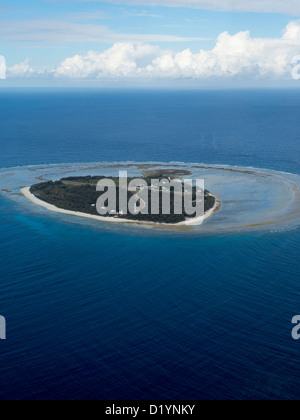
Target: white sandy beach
(193, 222)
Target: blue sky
(38, 36)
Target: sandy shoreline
(196, 221)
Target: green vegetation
(79, 194)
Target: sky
(150, 42)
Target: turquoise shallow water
(98, 313)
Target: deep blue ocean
(100, 315)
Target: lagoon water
(97, 312)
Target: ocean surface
(102, 314)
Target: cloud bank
(21, 70)
(237, 55)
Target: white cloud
(20, 70)
(122, 60)
(233, 55)
(270, 6)
(237, 55)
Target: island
(78, 195)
